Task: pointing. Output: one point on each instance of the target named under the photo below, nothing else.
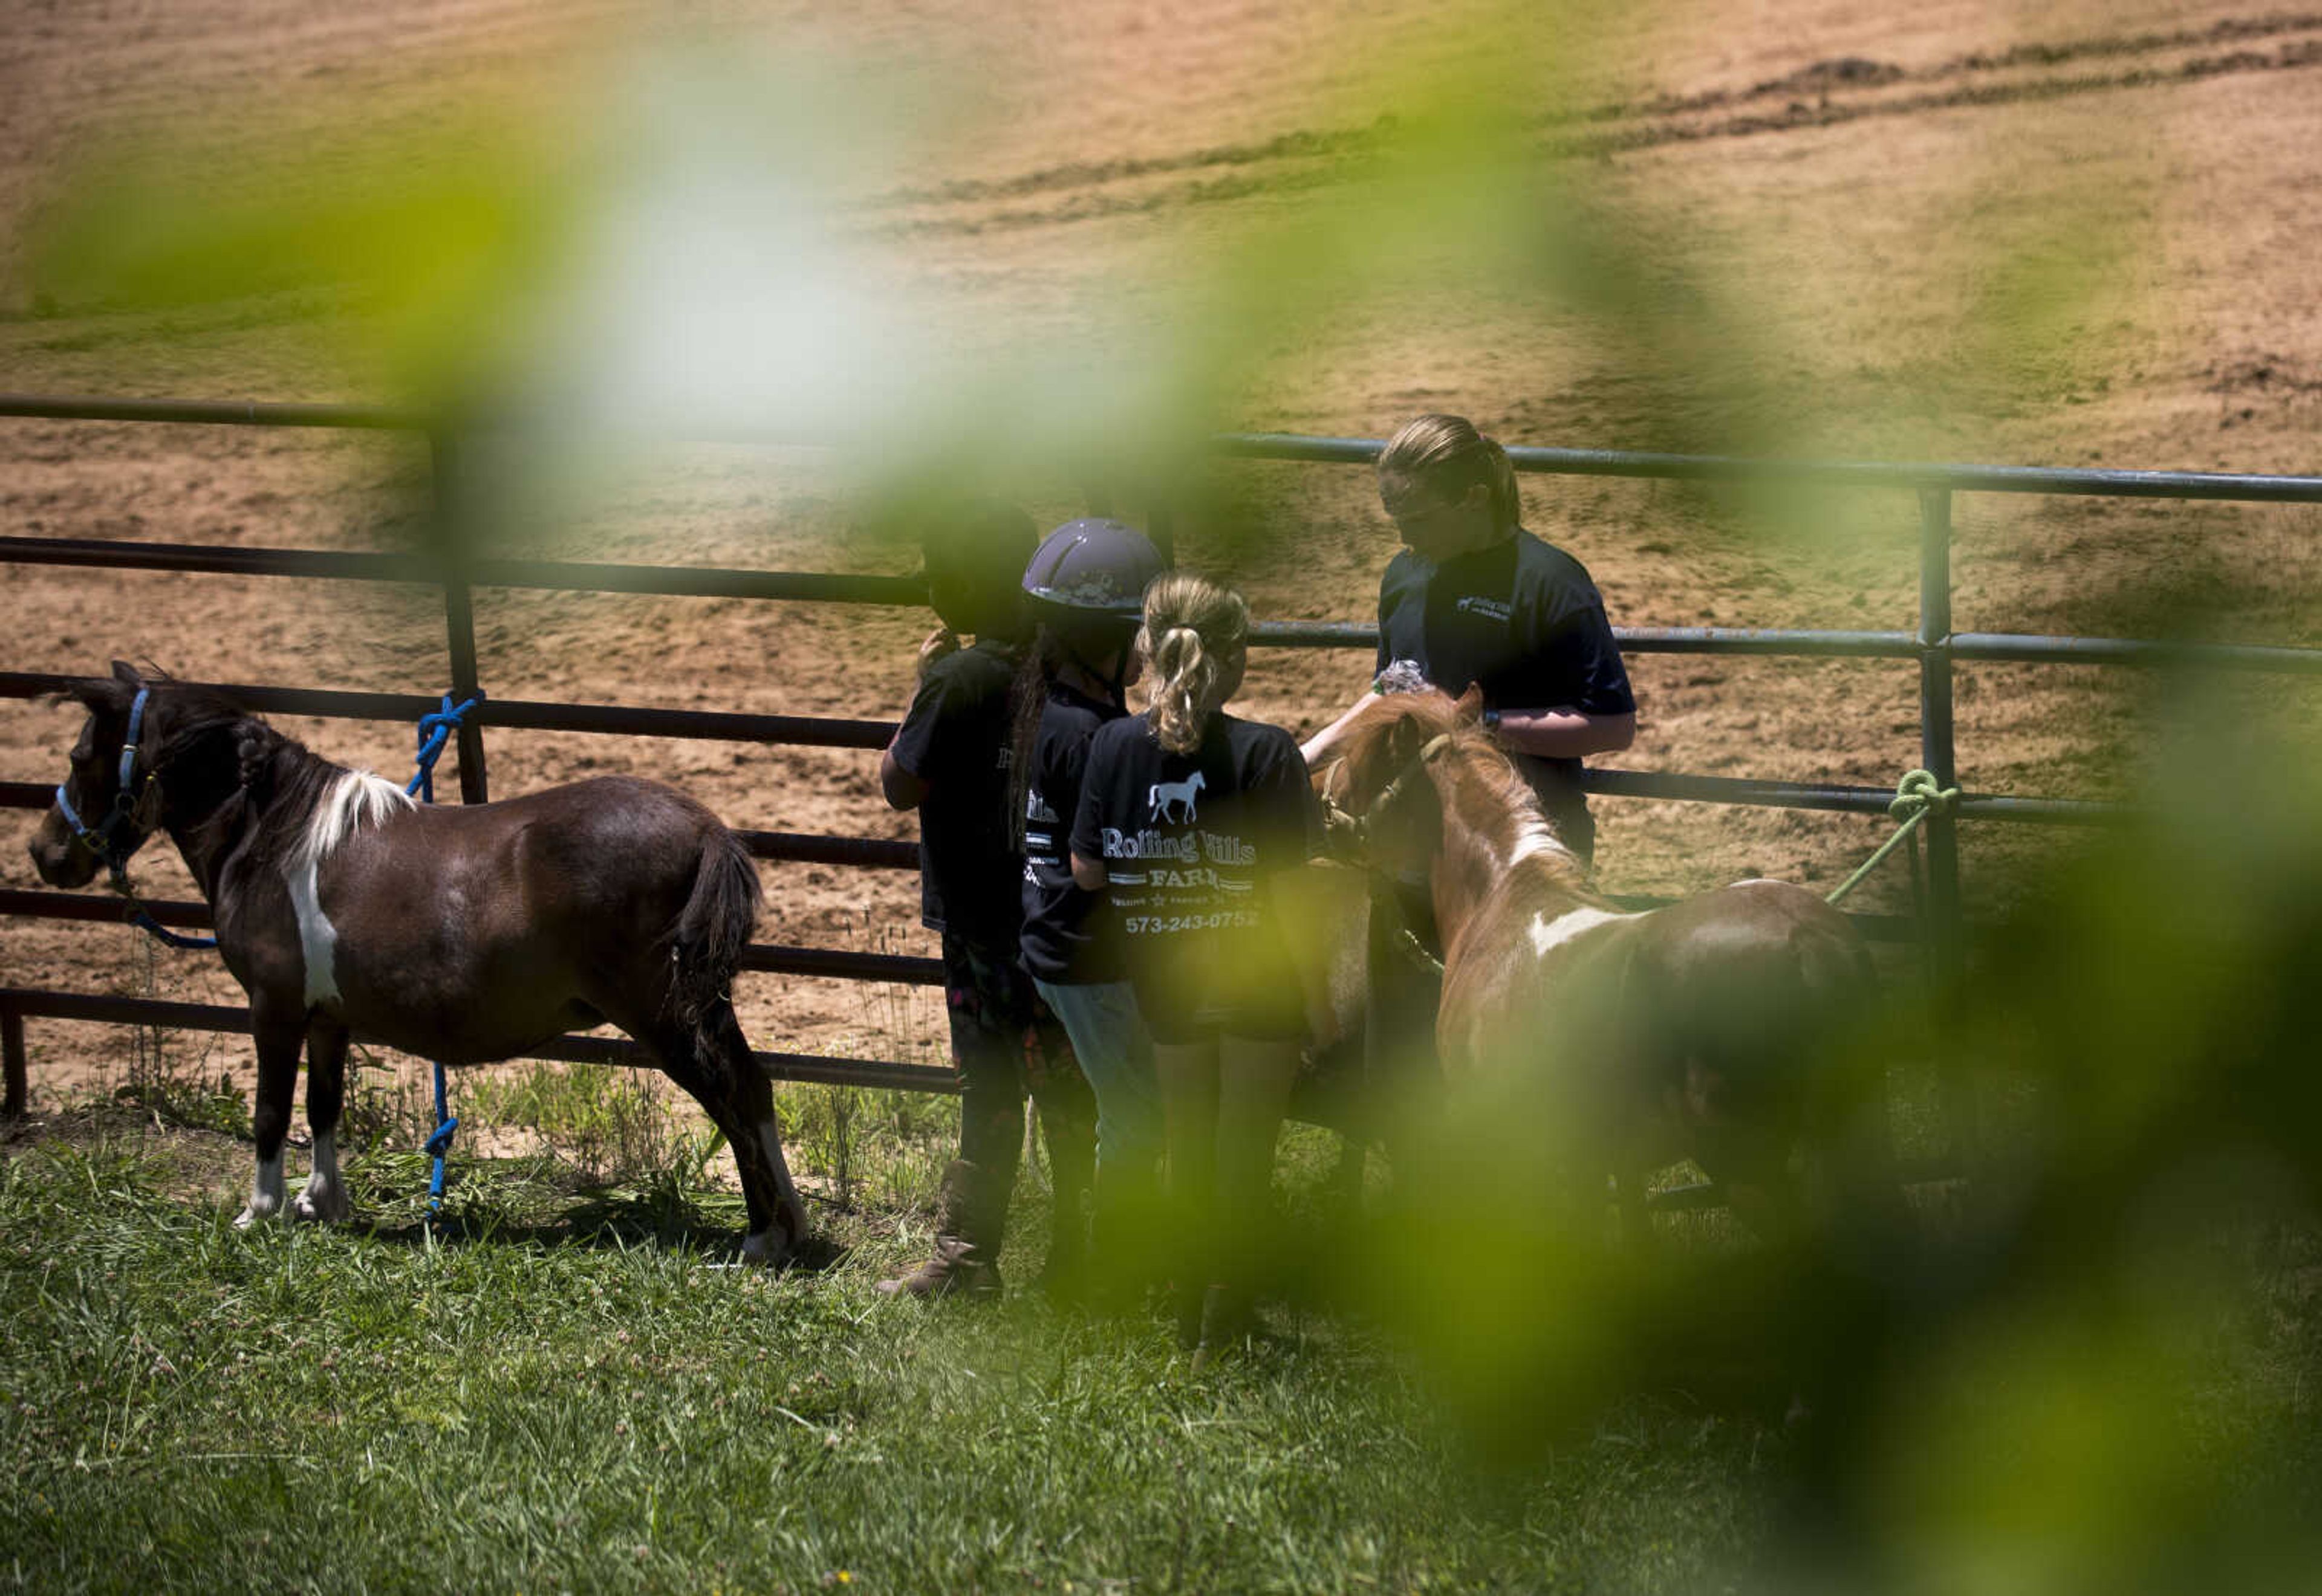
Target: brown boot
(965, 1259)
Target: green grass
(566, 1384)
(561, 1399)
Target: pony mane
(311, 804)
(1533, 844)
(352, 800)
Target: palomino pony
(1681, 1032)
(459, 933)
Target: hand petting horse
(1684, 1032)
(461, 933)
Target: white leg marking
(265, 1193)
(323, 1198)
(1547, 934)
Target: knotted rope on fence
(1917, 796)
(435, 730)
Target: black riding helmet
(972, 564)
(1087, 585)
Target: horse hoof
(770, 1248)
(307, 1212)
(252, 1216)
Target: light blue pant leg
(1115, 1054)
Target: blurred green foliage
(2088, 1367)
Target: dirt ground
(2065, 235)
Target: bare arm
(1565, 734)
(1318, 749)
(898, 785)
(1088, 874)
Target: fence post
(451, 530)
(1945, 927)
(11, 1060)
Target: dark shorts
(1212, 991)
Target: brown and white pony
(1682, 1032)
(461, 933)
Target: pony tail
(1195, 634)
(707, 941)
(1184, 700)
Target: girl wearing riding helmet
(950, 761)
(1197, 824)
(1085, 587)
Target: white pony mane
(354, 799)
(1536, 835)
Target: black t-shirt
(956, 739)
(1522, 620)
(1185, 840)
(1064, 942)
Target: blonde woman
(1473, 599)
(1195, 825)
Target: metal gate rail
(1933, 645)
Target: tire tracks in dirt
(1825, 93)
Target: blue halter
(103, 840)
(106, 838)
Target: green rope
(1916, 796)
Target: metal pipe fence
(1933, 644)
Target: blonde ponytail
(1194, 636)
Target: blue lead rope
(439, 1145)
(148, 924)
(434, 731)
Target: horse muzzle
(57, 857)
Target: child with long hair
(1197, 825)
(951, 760)
(1085, 589)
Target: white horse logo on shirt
(1173, 801)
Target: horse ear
(96, 694)
(126, 673)
(1470, 707)
(1403, 739)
